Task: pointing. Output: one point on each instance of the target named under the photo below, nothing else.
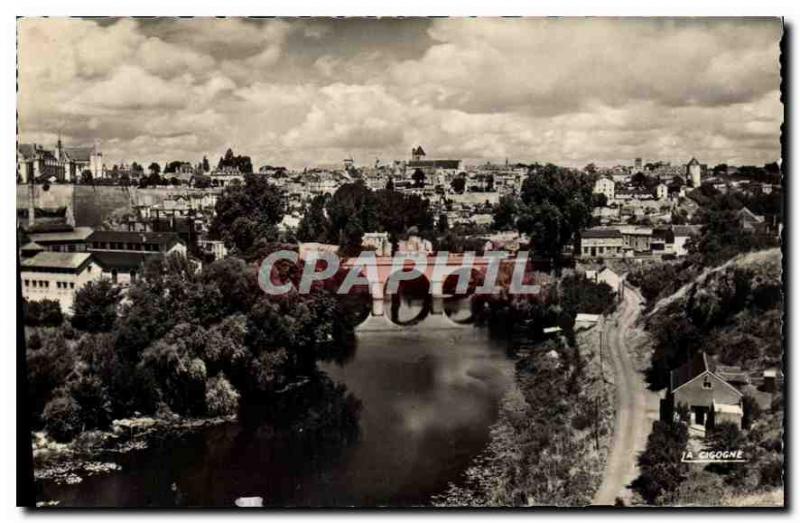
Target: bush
(661, 470)
(221, 397)
(62, 418)
(44, 313)
(771, 474)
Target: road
(634, 404)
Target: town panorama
(486, 262)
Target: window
(707, 383)
(71, 285)
(27, 282)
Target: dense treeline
(342, 219)
(192, 343)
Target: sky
(305, 92)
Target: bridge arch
(412, 291)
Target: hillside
(734, 313)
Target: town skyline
(310, 92)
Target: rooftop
(57, 260)
(601, 233)
(167, 238)
(76, 234)
(697, 365)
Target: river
(429, 398)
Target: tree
(222, 399)
(505, 213)
(86, 177)
(154, 168)
(62, 418)
(419, 178)
(751, 411)
(442, 225)
(314, 225)
(556, 204)
(95, 307)
(205, 165)
(247, 212)
(459, 183)
(352, 210)
(174, 166)
(44, 313)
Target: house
(749, 221)
(602, 242)
(607, 276)
(57, 276)
(214, 248)
(662, 191)
(678, 237)
(636, 238)
(708, 396)
(122, 254)
(122, 268)
(605, 185)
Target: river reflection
(428, 400)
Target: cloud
(301, 92)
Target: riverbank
(92, 452)
(551, 441)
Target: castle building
(64, 164)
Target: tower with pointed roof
(694, 173)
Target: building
(61, 238)
(138, 242)
(605, 185)
(749, 221)
(213, 248)
(414, 245)
(602, 242)
(709, 398)
(607, 276)
(57, 276)
(431, 168)
(636, 238)
(662, 191)
(694, 173)
(637, 165)
(63, 164)
(378, 242)
(679, 237)
(122, 254)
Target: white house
(57, 276)
(605, 185)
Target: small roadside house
(708, 396)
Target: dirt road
(632, 424)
